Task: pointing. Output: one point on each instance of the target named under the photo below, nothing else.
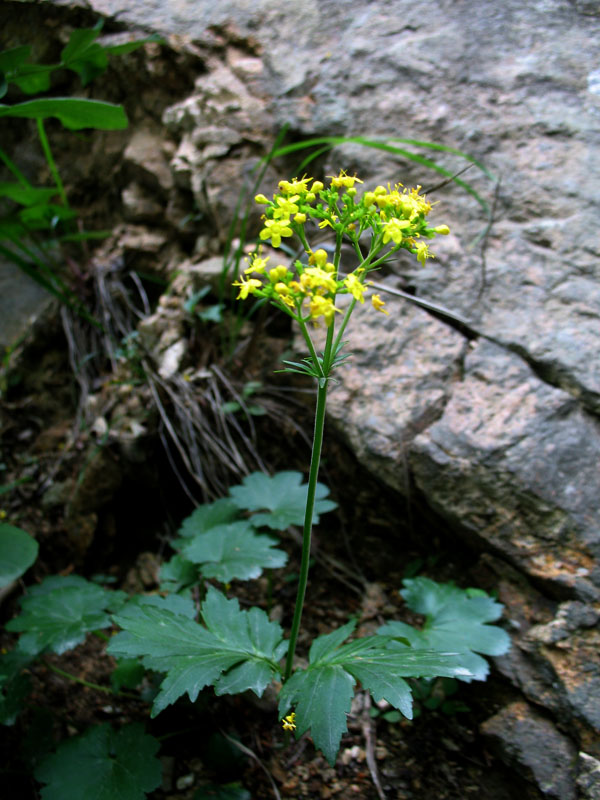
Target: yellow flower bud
(443, 229)
(277, 273)
(319, 258)
(317, 187)
(369, 198)
(260, 198)
(300, 218)
(310, 197)
(351, 191)
(379, 190)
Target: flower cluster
(394, 217)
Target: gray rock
(588, 780)
(531, 745)
(513, 464)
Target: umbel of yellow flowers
(395, 219)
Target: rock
(512, 464)
(588, 780)
(22, 301)
(396, 384)
(531, 745)
(145, 160)
(140, 206)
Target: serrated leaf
(455, 621)
(18, 551)
(178, 573)
(57, 614)
(283, 495)
(14, 687)
(177, 603)
(233, 551)
(102, 764)
(194, 655)
(322, 697)
(209, 516)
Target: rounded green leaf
(18, 551)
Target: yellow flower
(378, 304)
(289, 722)
(274, 229)
(422, 252)
(393, 230)
(257, 264)
(247, 287)
(300, 218)
(287, 207)
(355, 287)
(295, 186)
(322, 307)
(317, 277)
(326, 222)
(343, 180)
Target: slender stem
(15, 170)
(51, 163)
(306, 536)
(89, 685)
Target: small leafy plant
(38, 220)
(192, 634)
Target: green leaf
(14, 687)
(176, 603)
(378, 662)
(209, 516)
(73, 113)
(102, 764)
(83, 55)
(18, 551)
(283, 496)
(57, 614)
(224, 791)
(177, 574)
(26, 195)
(194, 656)
(127, 674)
(455, 621)
(322, 697)
(10, 60)
(129, 47)
(232, 551)
(33, 78)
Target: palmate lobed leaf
(283, 495)
(59, 612)
(208, 516)
(233, 551)
(322, 693)
(194, 656)
(455, 621)
(102, 764)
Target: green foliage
(18, 551)
(14, 687)
(47, 209)
(73, 112)
(102, 764)
(282, 495)
(322, 693)
(455, 620)
(233, 651)
(59, 612)
(232, 551)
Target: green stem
(310, 506)
(89, 685)
(51, 163)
